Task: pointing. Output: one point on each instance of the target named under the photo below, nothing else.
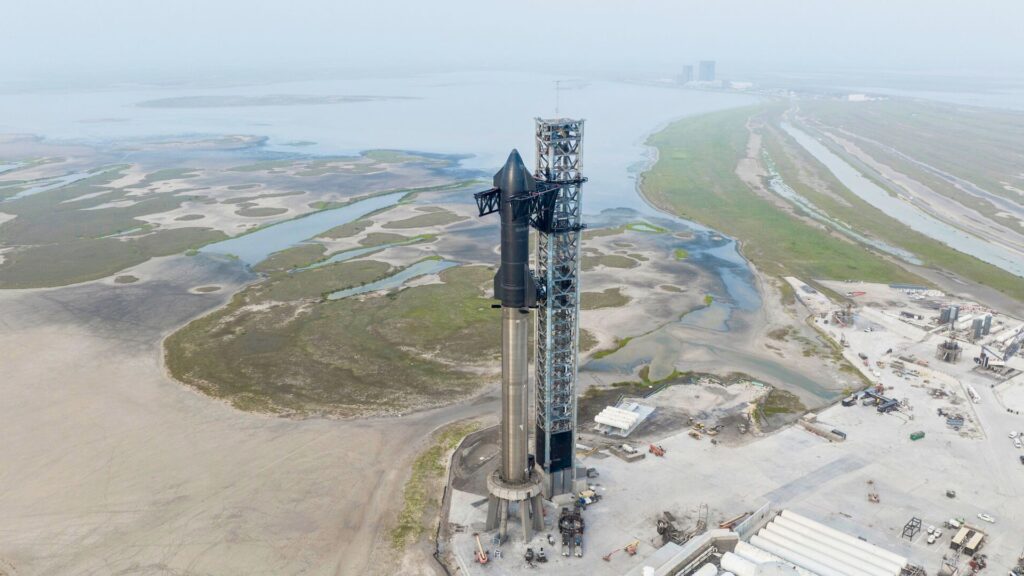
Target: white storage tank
(874, 559)
(881, 552)
(758, 556)
(738, 566)
(794, 558)
(824, 551)
(810, 552)
(707, 570)
(776, 569)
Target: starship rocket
(515, 287)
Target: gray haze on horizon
(53, 39)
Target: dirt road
(111, 467)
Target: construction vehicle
(657, 450)
(481, 556)
(728, 524)
(666, 526)
(872, 496)
(628, 549)
(570, 524)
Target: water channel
(906, 212)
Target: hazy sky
(49, 37)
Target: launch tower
(559, 163)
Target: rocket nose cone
(514, 177)
(514, 159)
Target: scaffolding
(559, 162)
(912, 528)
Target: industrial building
(786, 543)
(706, 71)
(687, 75)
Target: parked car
(931, 529)
(1016, 443)
(931, 538)
(987, 518)
(938, 533)
(1022, 459)
(1013, 434)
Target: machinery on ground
(481, 555)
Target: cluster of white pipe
(794, 544)
(617, 418)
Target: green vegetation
(89, 259)
(167, 174)
(591, 262)
(796, 166)
(277, 348)
(787, 293)
(681, 254)
(591, 233)
(421, 493)
(316, 283)
(260, 212)
(671, 288)
(646, 227)
(620, 343)
(645, 376)
(189, 217)
(440, 217)
(587, 340)
(977, 144)
(782, 402)
(695, 177)
(59, 242)
(379, 238)
(708, 299)
(208, 289)
(609, 298)
(295, 257)
(250, 200)
(396, 156)
(126, 279)
(348, 229)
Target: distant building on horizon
(687, 76)
(706, 72)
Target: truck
(917, 435)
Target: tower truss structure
(559, 162)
